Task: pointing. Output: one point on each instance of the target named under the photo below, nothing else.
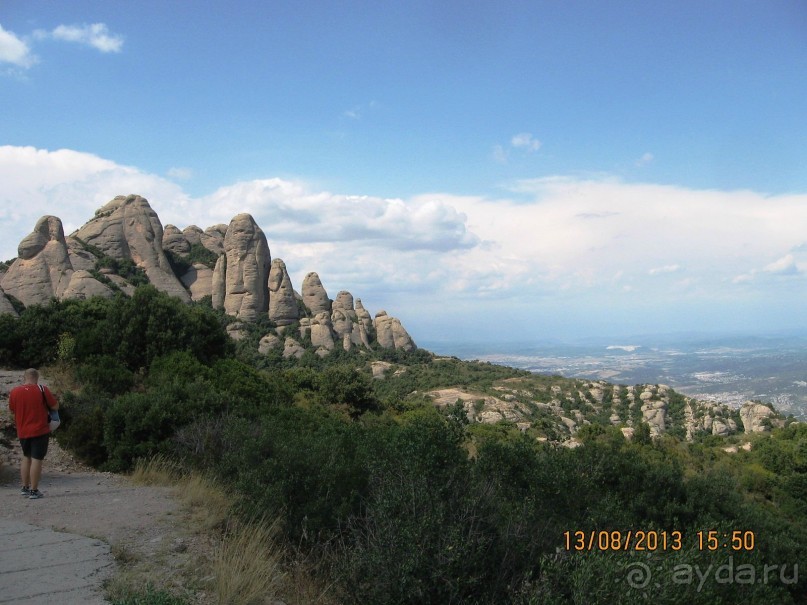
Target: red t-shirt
(30, 415)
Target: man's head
(31, 376)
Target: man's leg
(25, 471)
(36, 473)
(39, 449)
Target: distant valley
(730, 369)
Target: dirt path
(145, 527)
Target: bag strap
(44, 401)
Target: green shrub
(345, 386)
(423, 534)
(151, 324)
(304, 465)
(140, 425)
(82, 429)
(106, 374)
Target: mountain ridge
(125, 245)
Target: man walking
(30, 404)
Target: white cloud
(500, 154)
(14, 50)
(783, 266)
(552, 243)
(525, 140)
(645, 159)
(290, 211)
(71, 185)
(180, 173)
(96, 35)
(664, 269)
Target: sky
(509, 171)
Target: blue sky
(508, 169)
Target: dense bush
(139, 425)
(82, 430)
(151, 324)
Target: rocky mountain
(555, 408)
(125, 245)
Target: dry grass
(207, 503)
(60, 377)
(158, 470)
(247, 565)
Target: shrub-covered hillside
(413, 479)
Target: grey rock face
(83, 285)
(236, 330)
(315, 298)
(218, 284)
(246, 271)
(292, 348)
(42, 270)
(175, 241)
(192, 234)
(754, 416)
(344, 302)
(79, 257)
(213, 238)
(128, 229)
(125, 287)
(283, 308)
(5, 305)
(346, 325)
(363, 316)
(322, 331)
(199, 280)
(267, 343)
(391, 333)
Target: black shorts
(35, 447)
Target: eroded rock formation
(315, 298)
(175, 241)
(97, 260)
(756, 417)
(5, 305)
(128, 229)
(283, 309)
(245, 272)
(83, 285)
(43, 269)
(346, 325)
(391, 334)
(198, 280)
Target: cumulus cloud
(560, 241)
(96, 35)
(69, 184)
(783, 266)
(291, 211)
(525, 140)
(14, 50)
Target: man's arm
(51, 399)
